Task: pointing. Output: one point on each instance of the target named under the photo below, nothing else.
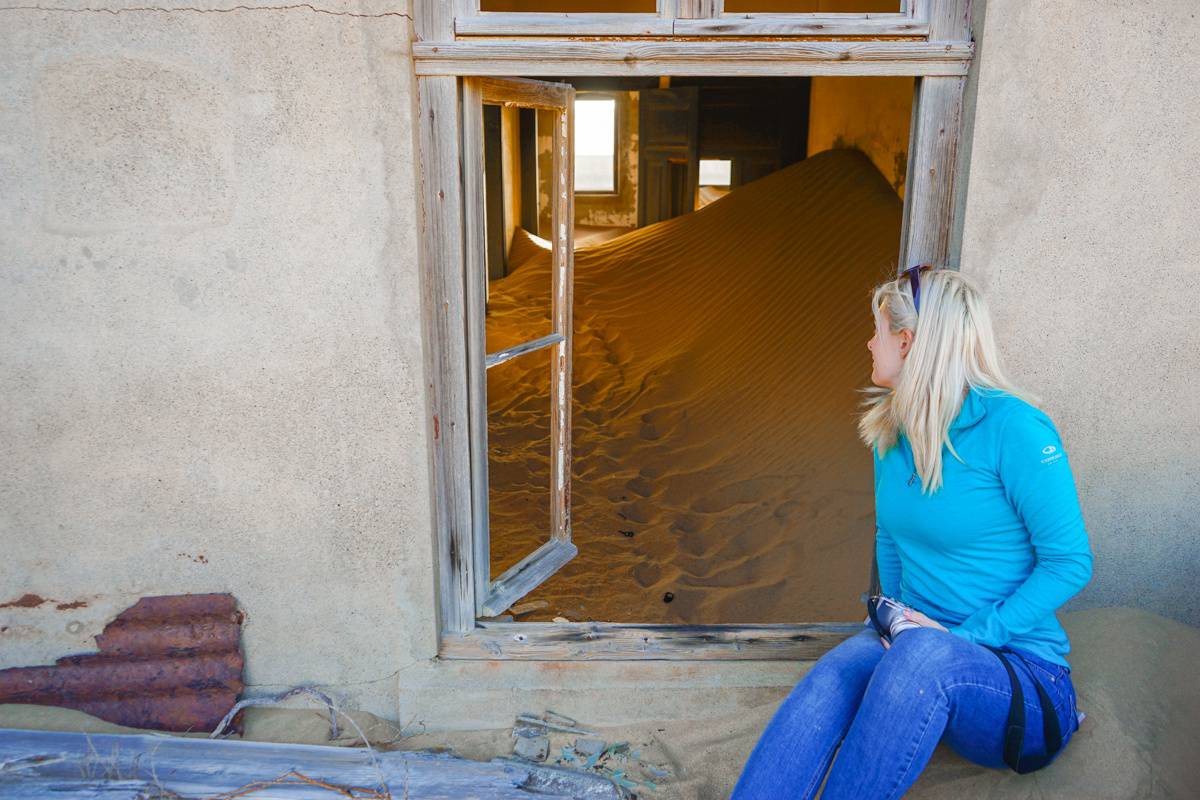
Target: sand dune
(716, 361)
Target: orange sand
(717, 359)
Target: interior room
(727, 233)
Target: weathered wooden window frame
(929, 41)
(494, 596)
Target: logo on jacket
(1051, 454)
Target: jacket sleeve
(886, 554)
(1037, 480)
(889, 563)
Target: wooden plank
(523, 57)
(497, 23)
(475, 243)
(508, 354)
(616, 25)
(803, 25)
(599, 641)
(934, 145)
(933, 154)
(526, 94)
(445, 337)
(949, 20)
(563, 260)
(699, 9)
(526, 575)
(73, 766)
(433, 20)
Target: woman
(978, 529)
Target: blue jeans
(889, 708)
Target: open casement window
(553, 104)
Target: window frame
(932, 44)
(692, 18)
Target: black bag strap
(1014, 734)
(874, 588)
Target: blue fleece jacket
(1002, 544)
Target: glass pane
(519, 285)
(518, 397)
(595, 144)
(811, 6)
(570, 6)
(715, 173)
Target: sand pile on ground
(1133, 672)
(717, 359)
(1134, 675)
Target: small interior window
(595, 144)
(715, 172)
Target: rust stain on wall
(170, 663)
(71, 606)
(26, 600)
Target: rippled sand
(717, 358)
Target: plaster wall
(1081, 226)
(871, 114)
(211, 370)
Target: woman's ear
(906, 337)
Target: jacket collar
(972, 410)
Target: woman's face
(888, 351)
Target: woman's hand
(920, 619)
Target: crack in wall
(293, 7)
(333, 684)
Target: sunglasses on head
(912, 273)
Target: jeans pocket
(1056, 680)
(1047, 672)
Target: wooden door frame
(929, 40)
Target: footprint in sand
(788, 511)
(647, 573)
(640, 486)
(634, 512)
(728, 496)
(686, 523)
(648, 431)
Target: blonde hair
(953, 350)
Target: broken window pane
(812, 6)
(570, 6)
(518, 399)
(519, 278)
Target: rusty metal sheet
(169, 663)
